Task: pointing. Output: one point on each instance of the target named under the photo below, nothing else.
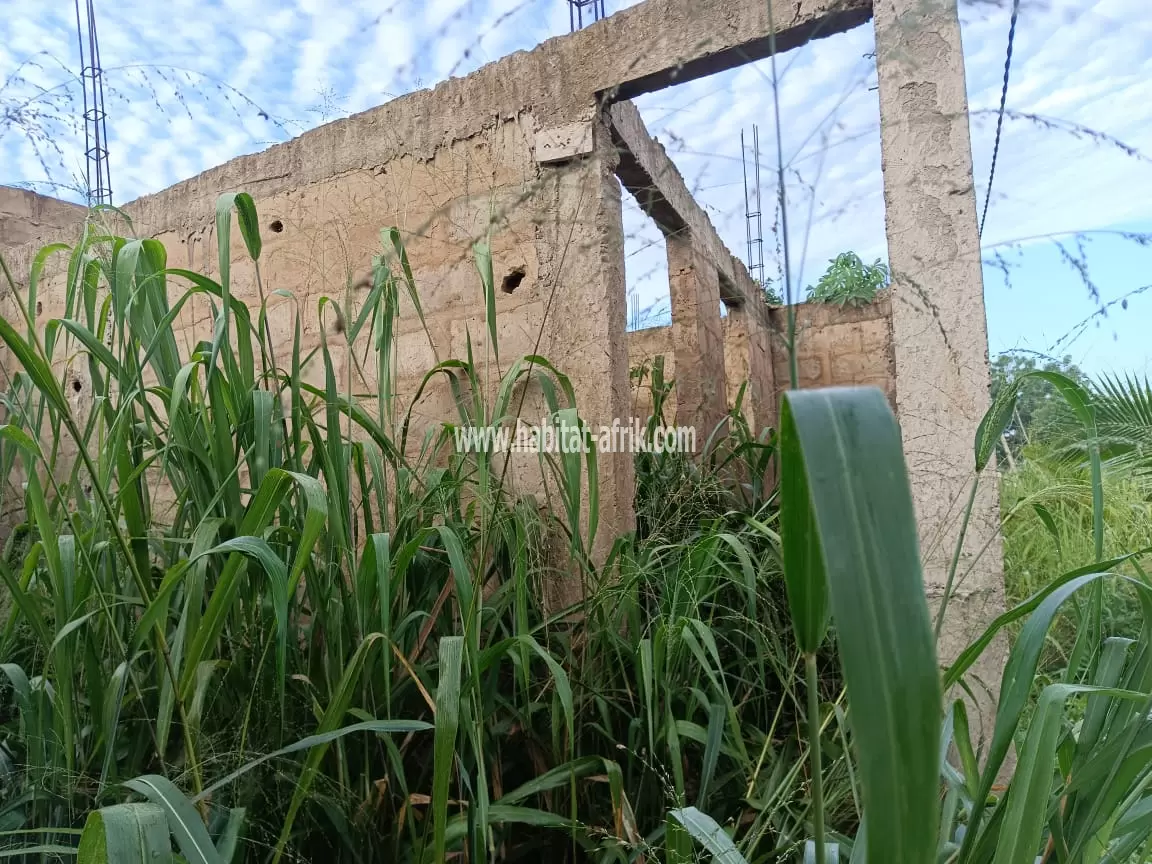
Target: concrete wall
(520, 151)
(529, 151)
(555, 229)
(836, 347)
(29, 218)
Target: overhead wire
(1000, 115)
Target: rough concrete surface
(29, 218)
(938, 320)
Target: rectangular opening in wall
(645, 268)
(830, 144)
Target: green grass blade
(447, 723)
(853, 466)
(482, 253)
(125, 834)
(804, 570)
(334, 713)
(708, 834)
(1029, 798)
(183, 820)
(320, 739)
(1015, 688)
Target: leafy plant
(1124, 407)
(848, 281)
(771, 293)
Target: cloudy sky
(193, 83)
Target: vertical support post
(701, 399)
(939, 323)
(748, 354)
(580, 251)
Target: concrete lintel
(653, 178)
(660, 43)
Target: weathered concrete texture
(526, 153)
(748, 363)
(697, 335)
(938, 318)
(702, 272)
(838, 346)
(27, 222)
(29, 218)
(654, 180)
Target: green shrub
(848, 281)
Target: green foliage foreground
(336, 644)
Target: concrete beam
(694, 247)
(654, 180)
(659, 43)
(645, 48)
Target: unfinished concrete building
(535, 151)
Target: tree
(1040, 414)
(849, 281)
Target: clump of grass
(1047, 499)
(269, 609)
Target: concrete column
(697, 335)
(939, 324)
(580, 252)
(748, 360)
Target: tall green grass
(1047, 502)
(1080, 789)
(305, 630)
(255, 619)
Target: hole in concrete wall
(76, 385)
(39, 307)
(512, 281)
(729, 297)
(275, 226)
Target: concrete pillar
(698, 336)
(939, 324)
(580, 249)
(748, 361)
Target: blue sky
(193, 83)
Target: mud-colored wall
(557, 256)
(29, 218)
(836, 346)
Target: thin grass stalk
(812, 683)
(955, 562)
(793, 360)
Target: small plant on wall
(848, 281)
